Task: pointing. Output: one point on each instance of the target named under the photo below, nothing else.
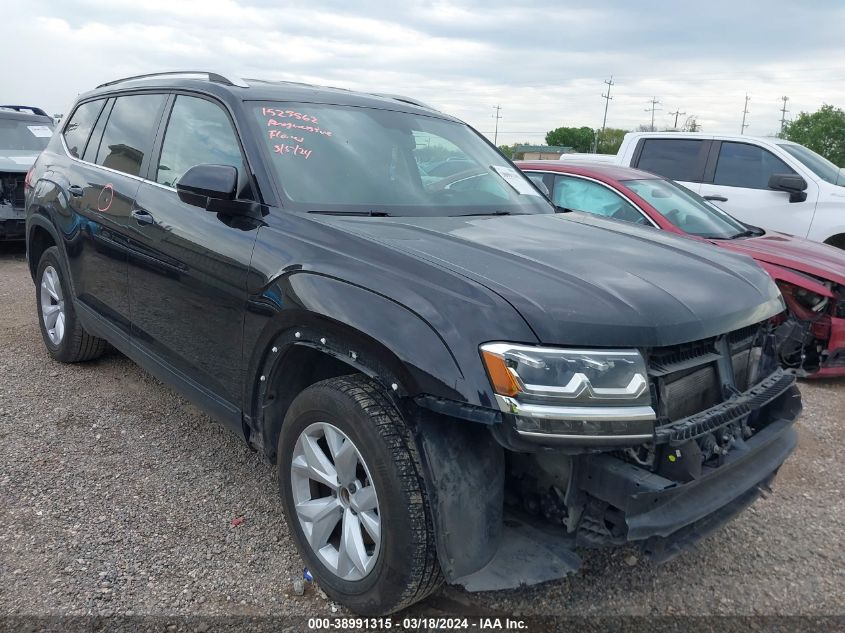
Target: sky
(543, 63)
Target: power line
(654, 103)
(496, 116)
(744, 112)
(607, 99)
(677, 113)
(783, 112)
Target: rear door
(681, 159)
(188, 266)
(108, 142)
(738, 181)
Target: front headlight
(572, 392)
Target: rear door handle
(76, 191)
(142, 217)
(716, 198)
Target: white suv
(767, 182)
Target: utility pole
(783, 112)
(677, 113)
(607, 99)
(496, 116)
(744, 112)
(654, 103)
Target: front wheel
(353, 493)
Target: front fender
(372, 331)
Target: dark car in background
(24, 132)
(420, 358)
(810, 275)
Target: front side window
(686, 210)
(198, 132)
(677, 158)
(749, 166)
(579, 194)
(79, 126)
(342, 159)
(819, 165)
(129, 132)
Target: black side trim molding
(217, 407)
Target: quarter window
(79, 126)
(129, 133)
(744, 165)
(677, 159)
(198, 132)
(579, 194)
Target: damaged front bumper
(619, 501)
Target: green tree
(610, 140)
(507, 150)
(578, 138)
(823, 132)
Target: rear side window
(749, 166)
(79, 126)
(677, 159)
(198, 132)
(129, 133)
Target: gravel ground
(118, 497)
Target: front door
(740, 186)
(188, 266)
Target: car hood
(811, 258)
(16, 160)
(583, 280)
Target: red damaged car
(810, 275)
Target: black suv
(454, 380)
(24, 132)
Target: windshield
(689, 212)
(819, 165)
(20, 135)
(343, 159)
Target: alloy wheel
(336, 501)
(52, 305)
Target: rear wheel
(354, 496)
(63, 335)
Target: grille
(12, 188)
(687, 378)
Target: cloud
(543, 62)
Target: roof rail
(23, 108)
(214, 77)
(408, 100)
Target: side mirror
(792, 184)
(216, 182)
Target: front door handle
(143, 217)
(716, 198)
(76, 191)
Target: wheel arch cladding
(305, 341)
(39, 240)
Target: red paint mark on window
(296, 150)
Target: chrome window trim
(603, 184)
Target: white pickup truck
(768, 182)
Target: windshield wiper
(746, 233)
(366, 214)
(469, 215)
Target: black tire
(76, 345)
(406, 570)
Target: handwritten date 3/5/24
(295, 150)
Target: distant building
(540, 152)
